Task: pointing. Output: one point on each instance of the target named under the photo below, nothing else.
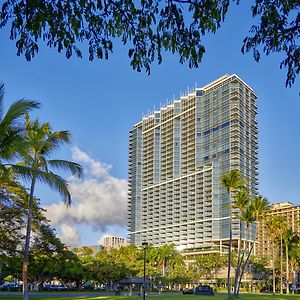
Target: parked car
(11, 287)
(204, 290)
(88, 286)
(188, 292)
(54, 287)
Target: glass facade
(177, 156)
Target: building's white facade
(177, 156)
(110, 242)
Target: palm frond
(54, 141)
(56, 183)
(69, 166)
(247, 215)
(22, 171)
(17, 110)
(2, 91)
(260, 205)
(233, 180)
(241, 200)
(10, 140)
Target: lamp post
(144, 245)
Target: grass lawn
(172, 297)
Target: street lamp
(144, 245)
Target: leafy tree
(233, 182)
(149, 27)
(260, 270)
(12, 221)
(40, 142)
(112, 266)
(69, 269)
(278, 31)
(46, 251)
(209, 264)
(12, 211)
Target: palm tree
(260, 205)
(11, 127)
(294, 255)
(248, 217)
(272, 231)
(40, 142)
(250, 212)
(281, 228)
(273, 225)
(289, 238)
(232, 181)
(241, 202)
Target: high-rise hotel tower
(178, 154)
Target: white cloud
(69, 235)
(99, 200)
(93, 167)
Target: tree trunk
(238, 267)
(293, 279)
(244, 268)
(281, 266)
(273, 267)
(229, 252)
(0, 272)
(27, 243)
(287, 268)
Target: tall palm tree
(253, 211)
(281, 228)
(40, 143)
(289, 238)
(11, 128)
(241, 203)
(294, 255)
(272, 225)
(232, 181)
(248, 217)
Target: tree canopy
(149, 27)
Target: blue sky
(100, 101)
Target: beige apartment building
(291, 214)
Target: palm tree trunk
(273, 267)
(245, 264)
(229, 253)
(243, 270)
(27, 243)
(287, 267)
(281, 265)
(293, 279)
(240, 259)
